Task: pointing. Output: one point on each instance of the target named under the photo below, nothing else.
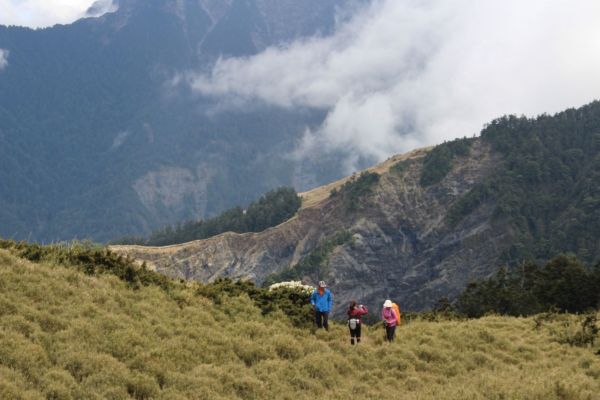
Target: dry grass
(64, 335)
(315, 196)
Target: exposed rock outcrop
(402, 246)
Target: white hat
(387, 303)
(322, 284)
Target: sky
(44, 13)
(407, 73)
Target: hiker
(355, 313)
(322, 300)
(390, 320)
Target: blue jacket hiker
(322, 300)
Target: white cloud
(43, 13)
(101, 7)
(405, 73)
(120, 139)
(3, 59)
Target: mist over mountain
(153, 112)
(97, 143)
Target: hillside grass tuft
(68, 335)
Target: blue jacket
(322, 303)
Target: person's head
(387, 303)
(352, 305)
(322, 284)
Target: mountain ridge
(256, 256)
(423, 226)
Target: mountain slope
(400, 246)
(69, 335)
(97, 141)
(429, 222)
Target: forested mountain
(421, 226)
(273, 208)
(97, 143)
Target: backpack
(353, 323)
(396, 309)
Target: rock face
(401, 248)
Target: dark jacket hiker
(355, 313)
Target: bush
(438, 162)
(586, 335)
(59, 385)
(142, 387)
(293, 302)
(90, 259)
(353, 192)
(22, 355)
(287, 347)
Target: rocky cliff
(401, 245)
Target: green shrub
(23, 355)
(142, 387)
(401, 167)
(14, 386)
(287, 347)
(59, 385)
(293, 303)
(19, 324)
(353, 192)
(252, 351)
(586, 335)
(90, 259)
(438, 162)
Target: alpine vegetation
(69, 332)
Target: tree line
(270, 210)
(562, 284)
(547, 186)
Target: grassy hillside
(66, 335)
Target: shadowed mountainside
(98, 142)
